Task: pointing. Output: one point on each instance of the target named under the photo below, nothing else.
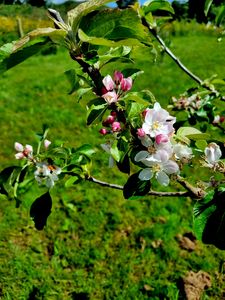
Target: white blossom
(47, 173)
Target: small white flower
(212, 153)
(158, 121)
(161, 167)
(182, 151)
(47, 173)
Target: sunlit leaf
(155, 5)
(76, 14)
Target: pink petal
(108, 82)
(19, 155)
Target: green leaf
(75, 15)
(208, 4)
(201, 144)
(155, 5)
(116, 25)
(209, 219)
(73, 80)
(72, 181)
(7, 172)
(135, 187)
(16, 58)
(141, 97)
(86, 149)
(114, 151)
(96, 112)
(220, 15)
(40, 210)
(124, 164)
(190, 133)
(54, 34)
(105, 42)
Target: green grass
(96, 244)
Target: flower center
(156, 168)
(151, 150)
(156, 125)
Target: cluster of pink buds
(23, 151)
(192, 103)
(112, 124)
(114, 88)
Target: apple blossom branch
(191, 191)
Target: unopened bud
(140, 132)
(116, 126)
(161, 138)
(126, 84)
(103, 131)
(118, 77)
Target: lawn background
(97, 245)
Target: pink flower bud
(47, 143)
(113, 113)
(109, 120)
(222, 118)
(116, 126)
(118, 77)
(108, 82)
(126, 84)
(140, 132)
(161, 138)
(103, 131)
(144, 113)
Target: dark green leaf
(40, 210)
(220, 15)
(209, 219)
(135, 187)
(124, 164)
(21, 55)
(5, 173)
(96, 112)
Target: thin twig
(151, 193)
(175, 59)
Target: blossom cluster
(45, 172)
(111, 123)
(160, 154)
(114, 88)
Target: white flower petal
(141, 155)
(19, 155)
(170, 167)
(29, 148)
(162, 178)
(145, 174)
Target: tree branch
(151, 193)
(175, 59)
